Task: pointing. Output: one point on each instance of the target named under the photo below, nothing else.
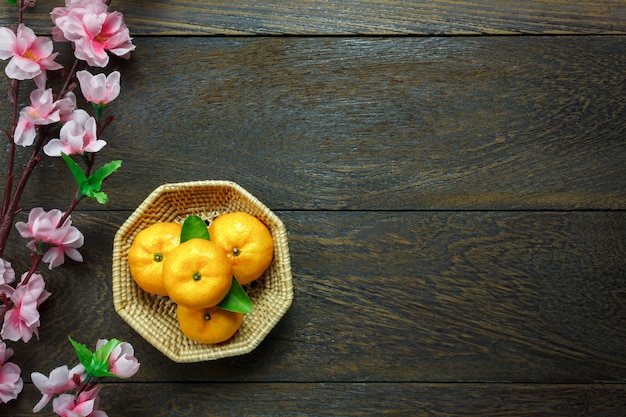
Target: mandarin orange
(197, 274)
(247, 242)
(208, 325)
(149, 249)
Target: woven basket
(154, 317)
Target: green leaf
(95, 179)
(83, 353)
(13, 2)
(90, 187)
(100, 359)
(237, 299)
(75, 169)
(194, 228)
(96, 363)
(100, 197)
(102, 354)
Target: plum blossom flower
(45, 229)
(99, 89)
(83, 405)
(22, 321)
(61, 379)
(93, 31)
(11, 383)
(77, 136)
(122, 361)
(31, 55)
(43, 110)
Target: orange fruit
(247, 243)
(148, 251)
(208, 325)
(197, 274)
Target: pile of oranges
(197, 273)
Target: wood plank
(371, 123)
(533, 297)
(346, 399)
(370, 17)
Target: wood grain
(455, 205)
(396, 296)
(371, 123)
(346, 399)
(368, 17)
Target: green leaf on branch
(83, 353)
(96, 363)
(13, 2)
(194, 228)
(237, 299)
(94, 182)
(75, 169)
(90, 186)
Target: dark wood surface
(454, 204)
(365, 17)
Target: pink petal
(63, 403)
(53, 148)
(26, 33)
(45, 399)
(92, 52)
(54, 257)
(74, 254)
(40, 79)
(95, 146)
(11, 329)
(42, 47)
(25, 133)
(7, 43)
(23, 229)
(93, 23)
(20, 68)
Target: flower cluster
(53, 125)
(74, 392)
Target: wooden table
(452, 176)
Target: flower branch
(53, 125)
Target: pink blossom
(99, 89)
(22, 321)
(93, 31)
(61, 379)
(79, 6)
(7, 274)
(31, 55)
(85, 405)
(44, 228)
(11, 383)
(122, 361)
(77, 136)
(43, 110)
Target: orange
(197, 274)
(147, 252)
(247, 243)
(208, 325)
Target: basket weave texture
(154, 317)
